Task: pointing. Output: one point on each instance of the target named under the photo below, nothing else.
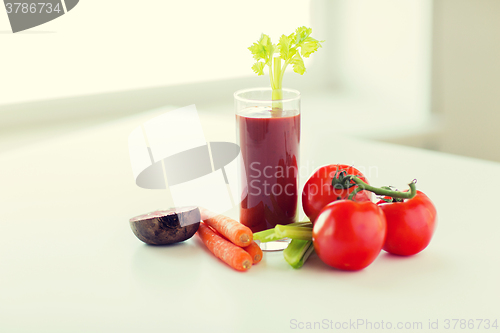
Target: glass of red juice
(268, 133)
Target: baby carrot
(231, 254)
(233, 230)
(254, 251)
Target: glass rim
(252, 100)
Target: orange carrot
(254, 251)
(231, 254)
(233, 230)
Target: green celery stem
(286, 231)
(277, 108)
(266, 236)
(301, 224)
(277, 94)
(297, 252)
(270, 235)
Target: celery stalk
(297, 252)
(291, 49)
(287, 231)
(266, 236)
(277, 94)
(270, 235)
(301, 224)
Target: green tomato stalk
(386, 191)
(291, 49)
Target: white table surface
(70, 263)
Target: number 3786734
(32, 8)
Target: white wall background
(116, 45)
(395, 59)
(467, 76)
(384, 49)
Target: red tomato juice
(270, 151)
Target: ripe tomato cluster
(349, 230)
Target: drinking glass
(268, 133)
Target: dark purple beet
(166, 226)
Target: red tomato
(410, 224)
(319, 191)
(349, 235)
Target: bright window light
(115, 45)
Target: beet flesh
(169, 226)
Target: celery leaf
(292, 49)
(285, 47)
(301, 34)
(263, 49)
(258, 67)
(298, 64)
(309, 46)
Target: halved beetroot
(164, 227)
